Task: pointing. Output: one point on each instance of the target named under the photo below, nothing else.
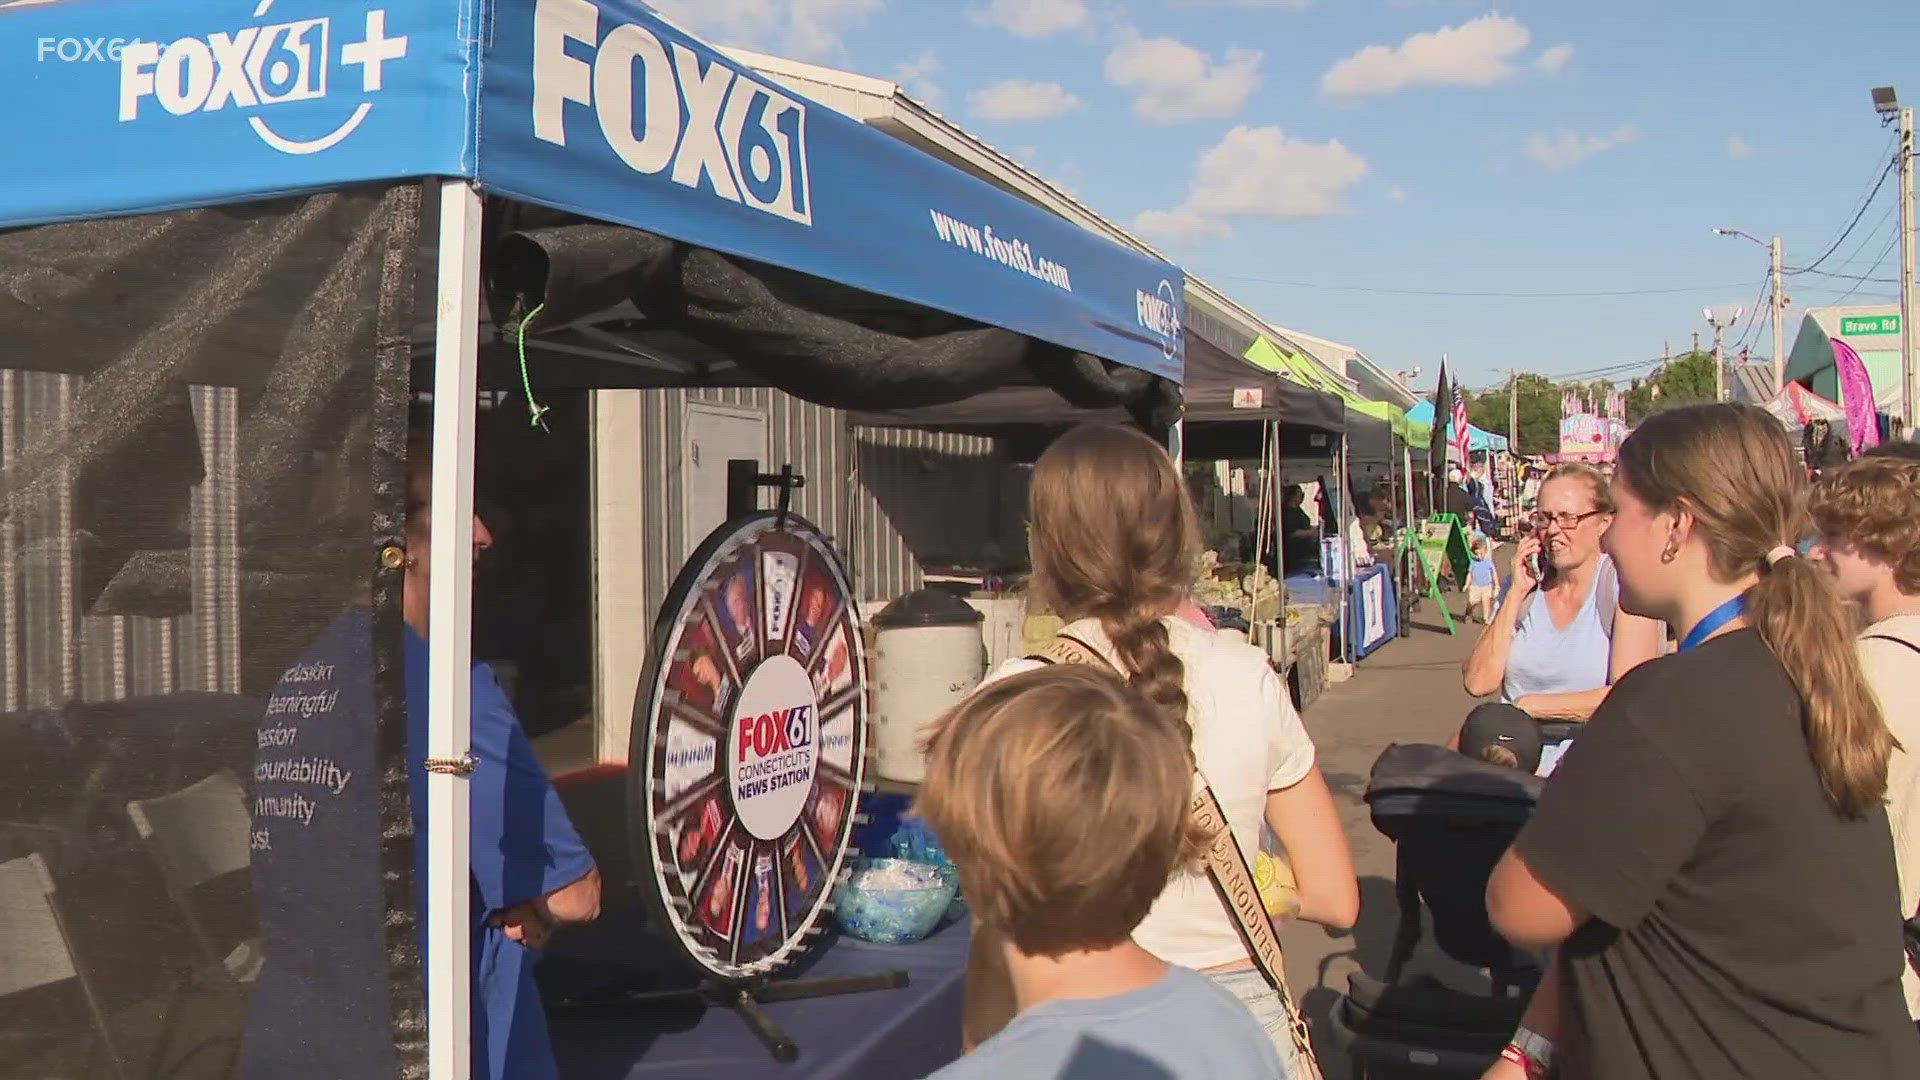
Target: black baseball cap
(1496, 724)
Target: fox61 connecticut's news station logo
(249, 70)
(1159, 313)
(662, 112)
(774, 752)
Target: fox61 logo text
(1159, 313)
(252, 68)
(773, 749)
(747, 140)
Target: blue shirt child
(1480, 573)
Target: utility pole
(1887, 104)
(1779, 305)
(1907, 333)
(1777, 302)
(1513, 411)
(1719, 362)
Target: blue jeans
(1263, 1002)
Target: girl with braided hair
(1113, 546)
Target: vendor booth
(249, 817)
(1247, 420)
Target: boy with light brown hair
(1868, 517)
(1062, 796)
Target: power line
(1885, 171)
(1856, 277)
(1884, 252)
(1753, 313)
(1454, 292)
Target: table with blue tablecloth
(898, 1034)
(878, 1035)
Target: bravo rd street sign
(1872, 324)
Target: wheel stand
(744, 998)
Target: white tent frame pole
(450, 647)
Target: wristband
(1533, 1069)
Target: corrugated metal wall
(54, 652)
(889, 499)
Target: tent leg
(450, 611)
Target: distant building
(1872, 330)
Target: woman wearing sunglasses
(1559, 640)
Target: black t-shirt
(1741, 927)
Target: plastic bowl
(872, 910)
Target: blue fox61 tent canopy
(599, 108)
(210, 238)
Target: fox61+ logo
(251, 68)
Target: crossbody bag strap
(1228, 869)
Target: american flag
(1458, 440)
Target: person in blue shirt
(1482, 580)
(321, 1004)
(531, 872)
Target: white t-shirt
(1894, 672)
(1248, 741)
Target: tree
(1687, 379)
(1539, 413)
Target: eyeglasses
(1567, 522)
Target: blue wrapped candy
(893, 901)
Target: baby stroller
(1450, 817)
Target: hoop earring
(1666, 556)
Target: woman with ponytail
(1114, 545)
(1712, 857)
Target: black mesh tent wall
(201, 430)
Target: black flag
(1442, 411)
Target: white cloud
(1564, 149)
(804, 29)
(1020, 100)
(1259, 172)
(1739, 148)
(1397, 194)
(1554, 59)
(1477, 53)
(1294, 4)
(1032, 18)
(1177, 82)
(916, 75)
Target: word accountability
(255, 67)
(70, 50)
(661, 112)
(1008, 252)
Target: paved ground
(1408, 691)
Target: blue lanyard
(1714, 620)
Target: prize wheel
(749, 740)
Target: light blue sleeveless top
(1548, 660)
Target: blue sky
(1373, 148)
